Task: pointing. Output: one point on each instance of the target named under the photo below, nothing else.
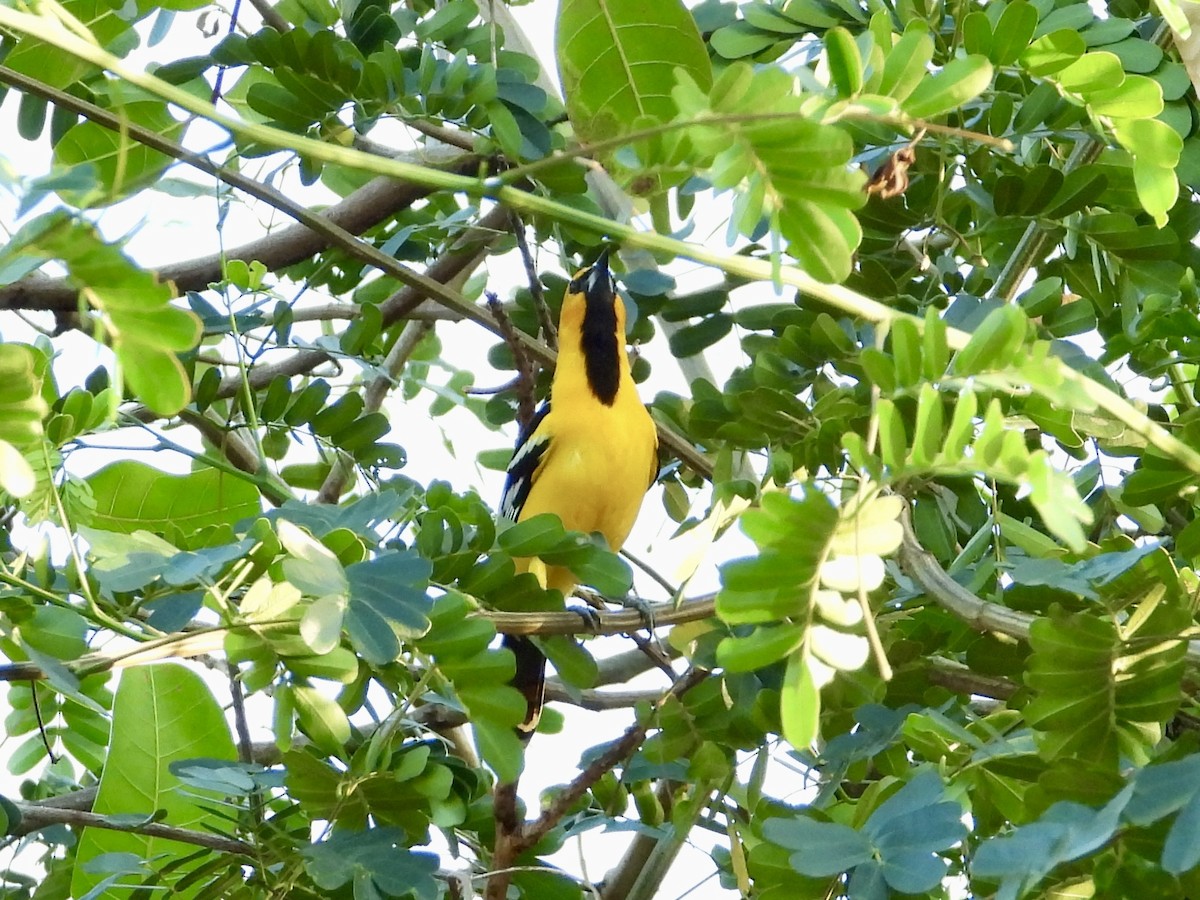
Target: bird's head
(591, 303)
(592, 325)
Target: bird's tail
(530, 680)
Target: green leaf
(500, 748)
(570, 659)
(321, 624)
(693, 339)
(1151, 140)
(1095, 71)
(741, 39)
(927, 432)
(821, 849)
(162, 713)
(977, 34)
(120, 164)
(1053, 53)
(533, 537)
(378, 862)
(763, 646)
(799, 703)
(388, 589)
(905, 65)
(1013, 32)
(321, 719)
(893, 436)
(132, 496)
(957, 82)
(845, 61)
(22, 407)
(994, 343)
(1157, 189)
(617, 60)
(1136, 97)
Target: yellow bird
(590, 453)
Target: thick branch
(371, 204)
(190, 644)
(39, 815)
(981, 615)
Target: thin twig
(512, 839)
(271, 16)
(525, 370)
(545, 322)
(397, 358)
(240, 723)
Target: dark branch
(39, 815)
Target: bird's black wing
(525, 459)
(530, 675)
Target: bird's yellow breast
(596, 468)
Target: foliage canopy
(937, 368)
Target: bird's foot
(643, 607)
(589, 615)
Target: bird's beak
(599, 282)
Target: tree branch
(981, 615)
(41, 815)
(421, 285)
(189, 644)
(512, 839)
(343, 467)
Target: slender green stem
(94, 616)
(854, 114)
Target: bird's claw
(643, 608)
(590, 616)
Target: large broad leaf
(120, 163)
(132, 496)
(161, 714)
(617, 60)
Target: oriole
(589, 454)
